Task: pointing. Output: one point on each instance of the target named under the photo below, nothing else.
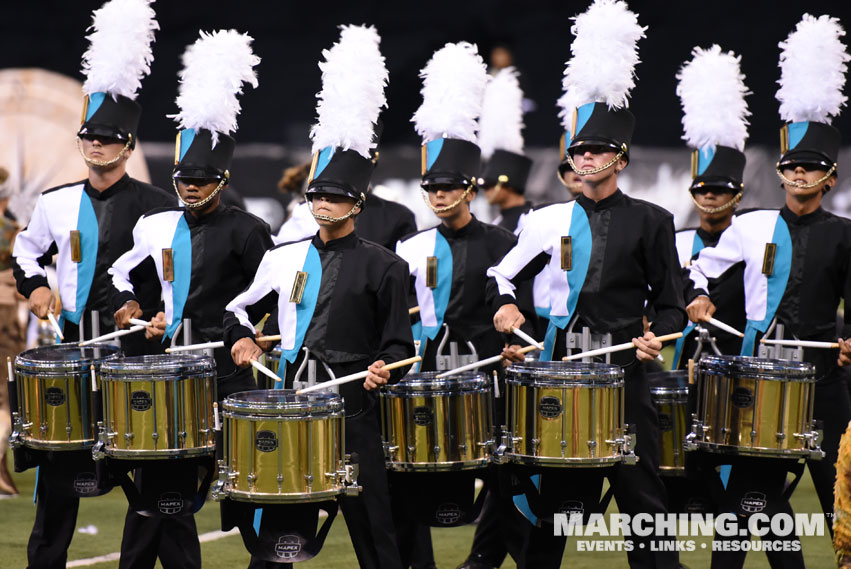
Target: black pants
(173, 540)
(55, 521)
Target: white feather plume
(712, 93)
(214, 69)
(453, 88)
(353, 79)
(605, 53)
(501, 124)
(119, 53)
(813, 62)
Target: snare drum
(432, 425)
(280, 447)
(55, 408)
(157, 406)
(669, 393)
(565, 414)
(754, 406)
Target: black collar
(122, 183)
(590, 205)
(801, 219)
(465, 231)
(193, 221)
(346, 242)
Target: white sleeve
(529, 245)
(262, 285)
(120, 269)
(33, 242)
(300, 225)
(711, 262)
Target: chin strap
(330, 219)
(703, 209)
(452, 206)
(608, 164)
(804, 185)
(206, 200)
(92, 162)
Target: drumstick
(413, 310)
(137, 322)
(9, 370)
(485, 362)
(726, 327)
(264, 370)
(356, 376)
(218, 344)
(112, 335)
(55, 325)
(800, 343)
(527, 338)
(216, 424)
(618, 348)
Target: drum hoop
(25, 362)
(182, 375)
(557, 383)
(669, 391)
(746, 366)
(312, 404)
(427, 382)
(236, 415)
(150, 367)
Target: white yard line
(203, 538)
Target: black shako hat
(340, 172)
(809, 143)
(507, 168)
(450, 161)
(113, 116)
(196, 157)
(721, 167)
(596, 123)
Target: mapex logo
(423, 416)
(85, 483)
(140, 401)
(753, 502)
(54, 396)
(448, 513)
(742, 397)
(549, 407)
(170, 503)
(288, 546)
(572, 508)
(265, 441)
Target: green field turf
(106, 513)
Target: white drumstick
(219, 344)
(216, 424)
(527, 338)
(485, 362)
(112, 335)
(726, 327)
(264, 370)
(801, 343)
(414, 310)
(618, 348)
(55, 325)
(355, 376)
(11, 375)
(137, 322)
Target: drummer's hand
(701, 309)
(377, 376)
(128, 310)
(510, 354)
(507, 318)
(844, 352)
(245, 350)
(265, 346)
(647, 347)
(156, 329)
(42, 301)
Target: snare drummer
(86, 224)
(796, 259)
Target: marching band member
(609, 254)
(795, 259)
(340, 299)
(87, 225)
(205, 252)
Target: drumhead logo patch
(549, 407)
(753, 502)
(170, 503)
(448, 513)
(423, 416)
(140, 401)
(741, 397)
(266, 441)
(288, 546)
(85, 483)
(665, 422)
(54, 396)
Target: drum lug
(689, 443)
(219, 492)
(97, 450)
(349, 474)
(390, 451)
(16, 439)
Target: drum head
(668, 381)
(761, 368)
(282, 402)
(64, 357)
(428, 383)
(160, 366)
(560, 373)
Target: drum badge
(140, 401)
(266, 441)
(288, 546)
(423, 416)
(753, 502)
(665, 423)
(85, 483)
(742, 397)
(170, 503)
(549, 407)
(448, 513)
(54, 396)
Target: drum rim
(747, 366)
(143, 368)
(25, 363)
(427, 381)
(564, 373)
(318, 402)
